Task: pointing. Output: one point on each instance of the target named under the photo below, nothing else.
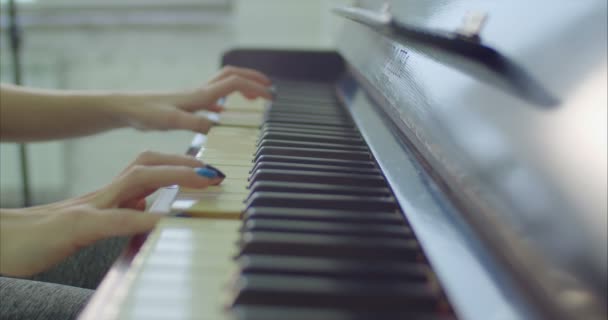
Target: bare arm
(35, 114)
(28, 114)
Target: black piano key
(284, 99)
(313, 167)
(387, 217)
(352, 229)
(305, 91)
(304, 144)
(313, 245)
(308, 86)
(313, 160)
(297, 187)
(314, 153)
(311, 138)
(305, 86)
(286, 102)
(298, 98)
(310, 128)
(316, 121)
(334, 268)
(332, 293)
(261, 312)
(329, 133)
(305, 104)
(295, 95)
(315, 126)
(193, 150)
(314, 249)
(295, 112)
(321, 201)
(334, 123)
(307, 94)
(318, 177)
(326, 133)
(308, 109)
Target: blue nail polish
(207, 173)
(217, 171)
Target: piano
(447, 161)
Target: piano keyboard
(303, 227)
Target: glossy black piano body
(505, 189)
(507, 194)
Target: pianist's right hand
(34, 239)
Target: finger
(247, 73)
(147, 192)
(183, 120)
(142, 179)
(216, 108)
(152, 158)
(246, 87)
(135, 204)
(141, 205)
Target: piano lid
(531, 181)
(462, 49)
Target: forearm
(21, 233)
(35, 114)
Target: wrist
(116, 107)
(126, 108)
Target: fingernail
(207, 173)
(217, 171)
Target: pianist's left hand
(29, 114)
(34, 239)
(175, 111)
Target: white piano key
(183, 204)
(173, 312)
(186, 265)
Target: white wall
(142, 57)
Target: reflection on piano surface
(372, 188)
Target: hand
(33, 239)
(175, 111)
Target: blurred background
(135, 45)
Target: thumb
(187, 121)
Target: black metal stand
(15, 39)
